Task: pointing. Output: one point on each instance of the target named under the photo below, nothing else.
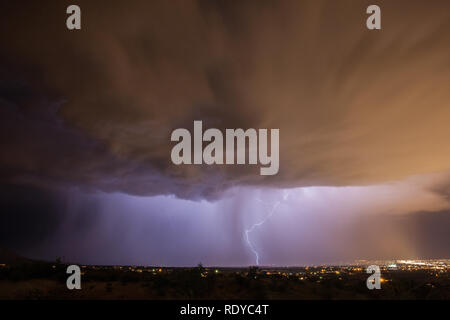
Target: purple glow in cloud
(290, 227)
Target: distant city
(400, 279)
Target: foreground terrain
(42, 280)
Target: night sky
(86, 118)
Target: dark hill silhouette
(9, 257)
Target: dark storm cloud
(29, 215)
(89, 110)
(96, 107)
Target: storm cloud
(86, 118)
(354, 107)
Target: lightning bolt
(273, 208)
